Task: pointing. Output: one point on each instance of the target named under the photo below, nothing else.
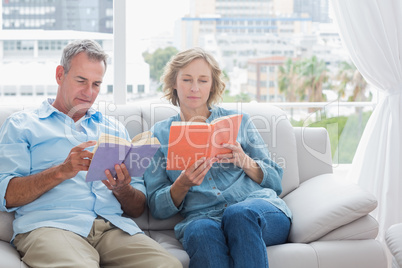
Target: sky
(152, 17)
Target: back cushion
(129, 115)
(277, 132)
(153, 113)
(7, 110)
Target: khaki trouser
(105, 246)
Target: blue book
(111, 150)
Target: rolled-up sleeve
(15, 157)
(256, 148)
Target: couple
(62, 221)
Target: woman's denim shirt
(223, 185)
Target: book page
(107, 138)
(182, 123)
(144, 138)
(225, 131)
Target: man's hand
(23, 190)
(77, 160)
(118, 184)
(132, 201)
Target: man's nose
(87, 90)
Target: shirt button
(218, 193)
(210, 179)
(213, 187)
(226, 205)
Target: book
(190, 141)
(111, 150)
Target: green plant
(344, 133)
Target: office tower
(318, 10)
(237, 30)
(78, 15)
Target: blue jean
(240, 240)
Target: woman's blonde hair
(180, 61)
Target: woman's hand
(192, 176)
(239, 158)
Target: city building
(89, 15)
(32, 38)
(238, 30)
(30, 58)
(262, 76)
(318, 10)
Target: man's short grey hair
(91, 48)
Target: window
(35, 52)
(141, 88)
(242, 34)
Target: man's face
(79, 87)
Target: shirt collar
(47, 109)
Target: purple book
(137, 156)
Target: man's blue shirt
(32, 141)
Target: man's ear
(59, 74)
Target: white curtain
(371, 30)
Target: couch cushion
(9, 257)
(142, 221)
(350, 254)
(166, 224)
(129, 115)
(313, 150)
(323, 204)
(6, 226)
(365, 227)
(168, 240)
(153, 113)
(6, 111)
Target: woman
(230, 203)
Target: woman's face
(193, 85)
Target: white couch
(393, 239)
(331, 226)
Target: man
(61, 220)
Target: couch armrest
(323, 204)
(393, 238)
(313, 152)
